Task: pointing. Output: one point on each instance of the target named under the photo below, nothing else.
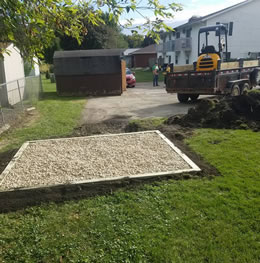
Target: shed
(93, 72)
(145, 57)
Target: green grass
(198, 220)
(146, 76)
(57, 117)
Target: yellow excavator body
(208, 62)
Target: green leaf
(11, 36)
(33, 25)
(111, 16)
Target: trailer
(229, 81)
(212, 74)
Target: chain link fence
(17, 96)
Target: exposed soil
(16, 117)
(114, 125)
(5, 158)
(242, 112)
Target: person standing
(167, 71)
(155, 70)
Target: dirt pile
(113, 125)
(242, 112)
(5, 158)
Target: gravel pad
(78, 159)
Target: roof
(146, 50)
(129, 51)
(204, 18)
(4, 45)
(88, 53)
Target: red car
(130, 78)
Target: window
(187, 60)
(188, 33)
(173, 46)
(170, 59)
(178, 34)
(225, 24)
(170, 37)
(217, 32)
(176, 60)
(160, 60)
(231, 24)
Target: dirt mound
(242, 112)
(113, 125)
(5, 158)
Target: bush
(47, 75)
(51, 68)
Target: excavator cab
(210, 55)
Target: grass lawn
(146, 76)
(57, 117)
(198, 220)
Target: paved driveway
(143, 101)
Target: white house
(243, 24)
(11, 69)
(11, 66)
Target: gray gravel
(77, 159)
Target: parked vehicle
(212, 74)
(130, 78)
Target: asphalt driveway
(143, 101)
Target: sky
(190, 8)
